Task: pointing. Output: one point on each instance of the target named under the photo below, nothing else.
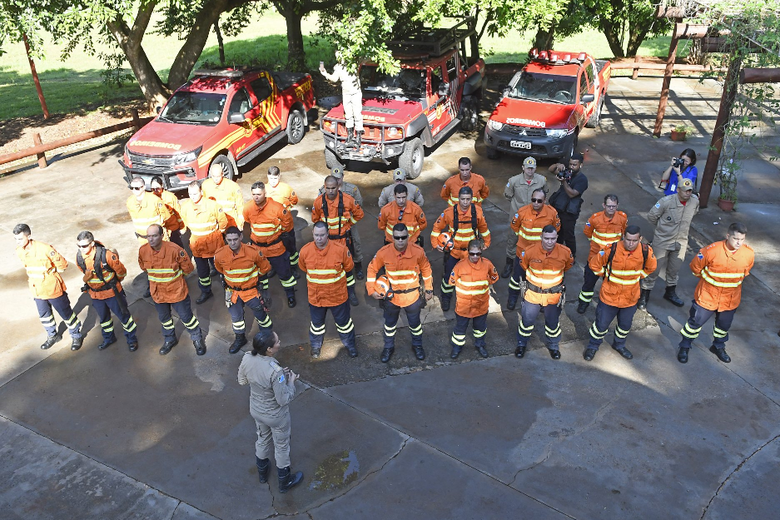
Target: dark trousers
(288, 239)
(552, 325)
(62, 305)
(566, 236)
(184, 310)
(237, 315)
(118, 305)
(203, 267)
(518, 275)
(176, 238)
(446, 288)
(478, 325)
(604, 316)
(586, 293)
(698, 317)
(392, 312)
(281, 265)
(343, 321)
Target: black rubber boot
(507, 272)
(511, 302)
(644, 295)
(262, 469)
(671, 296)
(359, 270)
(239, 342)
(288, 479)
(358, 138)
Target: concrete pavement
(115, 434)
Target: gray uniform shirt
(414, 194)
(271, 389)
(518, 191)
(350, 83)
(349, 189)
(672, 221)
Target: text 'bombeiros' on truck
(546, 104)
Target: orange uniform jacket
(465, 234)
(229, 197)
(207, 222)
(150, 210)
(472, 283)
(602, 231)
(91, 279)
(452, 186)
(283, 194)
(352, 214)
(545, 270)
(403, 270)
(722, 272)
(621, 288)
(241, 269)
(43, 265)
(174, 222)
(166, 269)
(267, 223)
(528, 225)
(412, 216)
(326, 272)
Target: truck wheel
(295, 127)
(470, 116)
(228, 170)
(491, 153)
(594, 119)
(571, 148)
(331, 161)
(411, 160)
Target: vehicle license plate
(520, 144)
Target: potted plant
(680, 132)
(726, 179)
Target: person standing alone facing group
(568, 199)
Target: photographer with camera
(683, 168)
(568, 199)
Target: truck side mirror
(236, 119)
(444, 89)
(587, 98)
(158, 109)
(506, 91)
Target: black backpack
(456, 222)
(613, 248)
(100, 261)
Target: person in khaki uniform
(351, 189)
(272, 389)
(399, 177)
(518, 190)
(671, 216)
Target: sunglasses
(401, 238)
(83, 246)
(136, 188)
(537, 200)
(475, 253)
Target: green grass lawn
(75, 84)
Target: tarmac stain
(120, 218)
(91, 224)
(336, 471)
(14, 279)
(26, 195)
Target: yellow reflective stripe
(98, 280)
(470, 293)
(605, 242)
(162, 280)
(399, 281)
(401, 273)
(324, 271)
(324, 281)
(241, 279)
(706, 276)
(626, 273)
(473, 284)
(544, 281)
(724, 275)
(632, 281)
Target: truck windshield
(544, 87)
(194, 108)
(408, 82)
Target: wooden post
(41, 156)
(136, 119)
(659, 118)
(759, 75)
(35, 79)
(635, 74)
(726, 101)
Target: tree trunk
(613, 36)
(296, 58)
(220, 43)
(636, 35)
(545, 39)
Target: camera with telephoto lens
(564, 175)
(677, 162)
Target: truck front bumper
(173, 179)
(368, 151)
(508, 142)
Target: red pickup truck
(546, 104)
(226, 117)
(437, 89)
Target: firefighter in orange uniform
(282, 193)
(174, 225)
(207, 222)
(528, 223)
(472, 279)
(340, 211)
(241, 266)
(328, 264)
(721, 267)
(103, 272)
(402, 211)
(404, 264)
(602, 229)
(621, 265)
(544, 263)
(465, 177)
(466, 222)
(268, 219)
(226, 193)
(167, 264)
(44, 264)
(145, 209)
